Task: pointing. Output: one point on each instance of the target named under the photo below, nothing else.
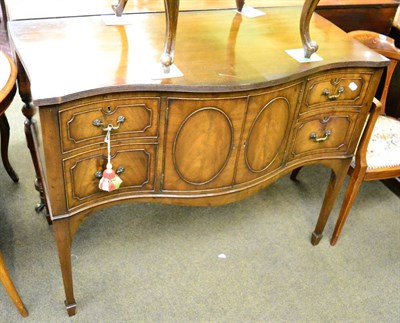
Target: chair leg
(353, 187)
(10, 288)
(5, 138)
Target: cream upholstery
(384, 146)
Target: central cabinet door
(270, 116)
(202, 136)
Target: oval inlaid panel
(203, 145)
(266, 134)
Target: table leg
(239, 5)
(171, 15)
(28, 110)
(119, 7)
(309, 46)
(334, 186)
(63, 233)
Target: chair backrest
(3, 17)
(4, 41)
(385, 46)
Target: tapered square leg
(64, 242)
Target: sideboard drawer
(82, 172)
(336, 89)
(83, 125)
(323, 134)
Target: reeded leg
(356, 180)
(335, 183)
(5, 138)
(10, 288)
(171, 15)
(64, 242)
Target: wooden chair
(8, 75)
(378, 153)
(8, 88)
(10, 288)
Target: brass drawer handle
(333, 97)
(119, 171)
(99, 123)
(327, 133)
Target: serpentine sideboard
(242, 114)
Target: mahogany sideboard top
(243, 114)
(63, 55)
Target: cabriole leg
(171, 16)
(309, 46)
(5, 139)
(239, 5)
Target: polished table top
(68, 58)
(23, 9)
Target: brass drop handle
(333, 97)
(99, 123)
(119, 171)
(327, 133)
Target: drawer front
(323, 134)
(336, 89)
(82, 172)
(83, 125)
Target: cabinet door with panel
(202, 136)
(269, 118)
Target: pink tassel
(110, 181)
